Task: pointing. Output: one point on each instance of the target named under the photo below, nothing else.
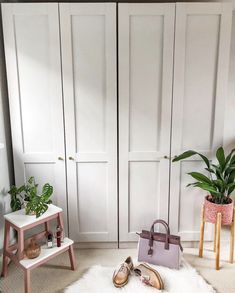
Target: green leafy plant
(35, 203)
(220, 182)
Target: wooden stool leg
(72, 258)
(215, 232)
(47, 226)
(5, 247)
(218, 228)
(232, 238)
(202, 232)
(61, 223)
(60, 220)
(20, 244)
(27, 288)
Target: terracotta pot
(212, 209)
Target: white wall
(229, 126)
(6, 171)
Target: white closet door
(202, 44)
(146, 36)
(88, 35)
(32, 48)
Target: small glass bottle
(58, 236)
(49, 239)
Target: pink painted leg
(5, 248)
(20, 244)
(47, 226)
(27, 288)
(72, 258)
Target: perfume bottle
(58, 235)
(49, 239)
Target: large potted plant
(27, 196)
(219, 183)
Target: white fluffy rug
(99, 280)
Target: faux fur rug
(99, 280)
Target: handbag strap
(150, 252)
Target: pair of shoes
(147, 275)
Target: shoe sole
(120, 285)
(156, 273)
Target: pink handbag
(159, 248)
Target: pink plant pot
(212, 209)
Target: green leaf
(184, 155)
(191, 153)
(221, 157)
(200, 177)
(47, 191)
(229, 156)
(208, 187)
(13, 190)
(15, 204)
(231, 177)
(192, 184)
(232, 160)
(210, 170)
(231, 189)
(31, 180)
(218, 172)
(219, 184)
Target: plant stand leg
(72, 258)
(5, 247)
(232, 238)
(218, 228)
(27, 288)
(215, 232)
(202, 232)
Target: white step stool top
(46, 253)
(21, 220)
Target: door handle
(169, 158)
(71, 158)
(60, 159)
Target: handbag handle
(150, 252)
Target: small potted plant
(219, 183)
(27, 196)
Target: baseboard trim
(98, 245)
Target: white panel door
(32, 48)
(146, 36)
(202, 43)
(88, 35)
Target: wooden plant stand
(217, 232)
(21, 222)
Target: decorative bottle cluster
(57, 236)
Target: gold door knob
(60, 159)
(71, 158)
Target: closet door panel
(202, 43)
(32, 49)
(88, 34)
(146, 34)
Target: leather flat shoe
(121, 275)
(149, 276)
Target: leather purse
(161, 249)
